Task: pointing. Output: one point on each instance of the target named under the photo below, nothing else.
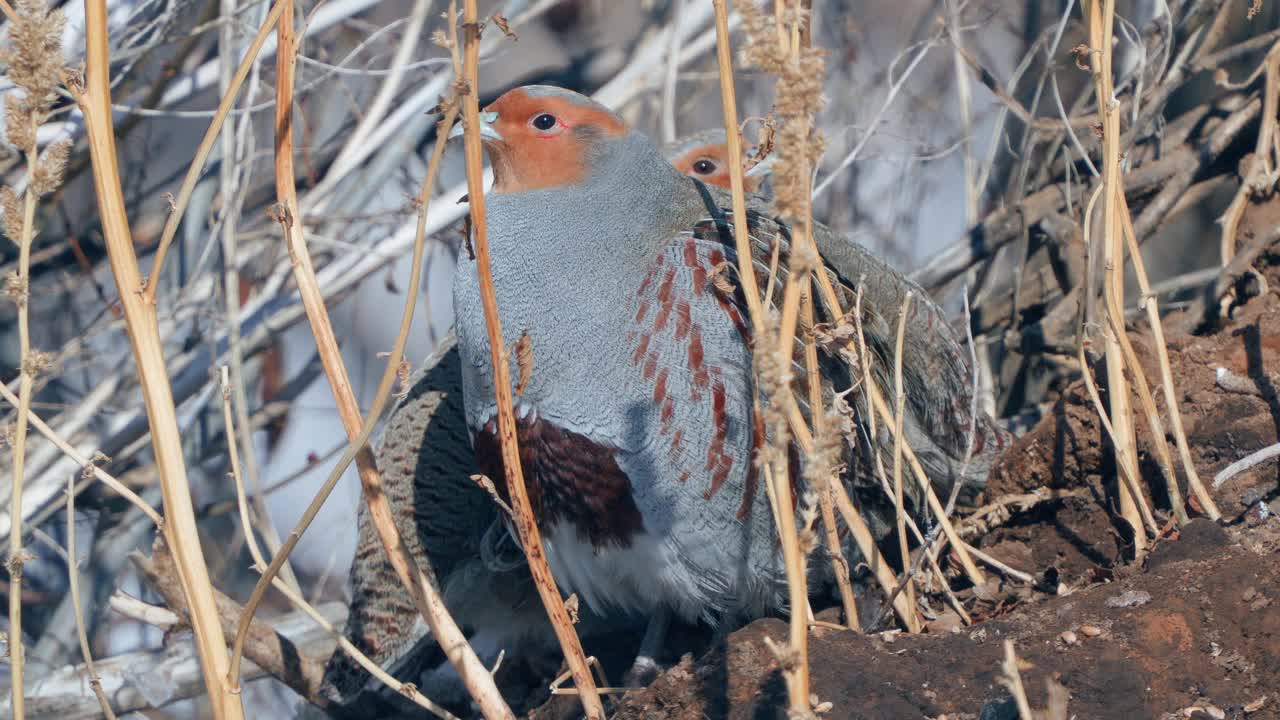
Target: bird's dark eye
(704, 167)
(545, 121)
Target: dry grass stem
(1128, 475)
(525, 522)
(293, 595)
(35, 66)
(98, 473)
(1013, 680)
(1150, 304)
(202, 152)
(733, 141)
(1261, 169)
(824, 476)
(1100, 17)
(875, 560)
(144, 336)
(428, 602)
(900, 396)
(73, 579)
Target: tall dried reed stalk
(526, 523)
(475, 677)
(1100, 18)
(35, 66)
(144, 337)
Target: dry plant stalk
(1152, 307)
(525, 522)
(98, 473)
(900, 397)
(73, 580)
(477, 679)
(1013, 680)
(293, 596)
(1260, 171)
(822, 475)
(34, 64)
(144, 337)
(203, 150)
(800, 71)
(1100, 16)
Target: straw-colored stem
(826, 494)
(427, 600)
(526, 523)
(881, 407)
(871, 554)
(900, 396)
(1152, 307)
(98, 473)
(17, 654)
(73, 580)
(292, 594)
(144, 337)
(733, 142)
(1115, 317)
(202, 153)
(1128, 475)
(1101, 18)
(1013, 679)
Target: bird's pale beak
(762, 168)
(487, 130)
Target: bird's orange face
(537, 142)
(710, 164)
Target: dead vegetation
(1133, 365)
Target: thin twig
(525, 522)
(426, 599)
(1150, 303)
(144, 336)
(826, 495)
(1013, 680)
(1100, 15)
(73, 579)
(1245, 463)
(900, 396)
(202, 153)
(733, 141)
(672, 74)
(105, 478)
(293, 595)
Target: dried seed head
(37, 363)
(15, 287)
(18, 128)
(12, 209)
(799, 97)
(34, 54)
(49, 169)
(720, 280)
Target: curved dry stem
(292, 595)
(1100, 18)
(144, 336)
(900, 397)
(101, 475)
(202, 153)
(73, 580)
(525, 522)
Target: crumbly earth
(1191, 631)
